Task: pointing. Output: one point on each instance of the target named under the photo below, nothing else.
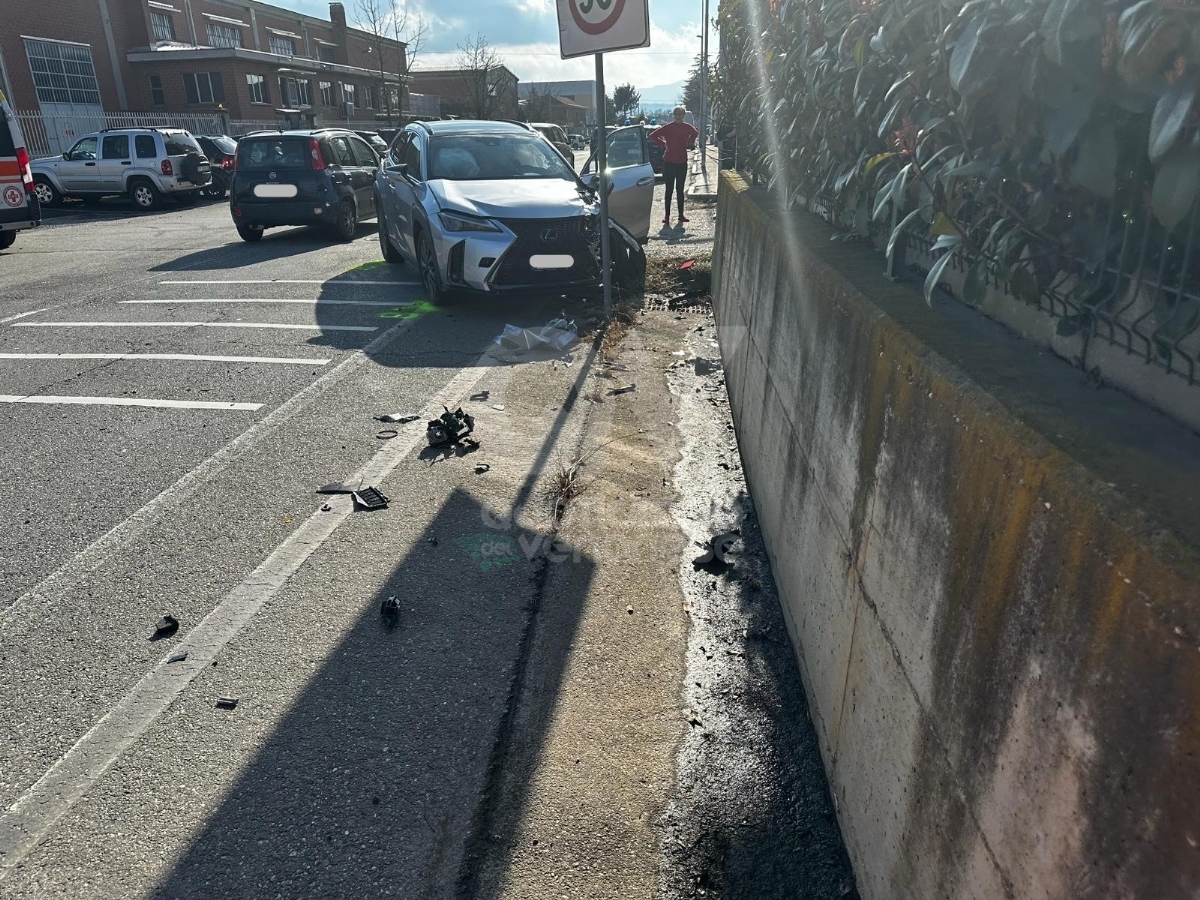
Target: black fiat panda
(323, 176)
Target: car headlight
(452, 221)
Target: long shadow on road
(275, 244)
(369, 785)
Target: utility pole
(704, 89)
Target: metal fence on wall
(53, 135)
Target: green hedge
(1023, 135)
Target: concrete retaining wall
(989, 571)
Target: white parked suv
(144, 164)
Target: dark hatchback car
(324, 177)
(221, 151)
(375, 139)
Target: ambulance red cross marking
(13, 195)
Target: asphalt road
(353, 761)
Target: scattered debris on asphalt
(325, 507)
(389, 612)
(386, 434)
(706, 366)
(370, 498)
(450, 427)
(629, 609)
(227, 702)
(687, 264)
(480, 396)
(499, 406)
(622, 390)
(336, 487)
(400, 418)
(166, 627)
(431, 540)
(480, 468)
(178, 656)
(557, 334)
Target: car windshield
(180, 143)
(273, 153)
(495, 157)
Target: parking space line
(129, 401)
(180, 357)
(194, 325)
(301, 281)
(32, 312)
(26, 822)
(321, 302)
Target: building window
(369, 97)
(348, 93)
(157, 96)
(224, 35)
(294, 92)
(282, 46)
(163, 25)
(62, 73)
(203, 87)
(325, 54)
(327, 93)
(258, 89)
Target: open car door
(632, 179)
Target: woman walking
(675, 138)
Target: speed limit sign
(600, 26)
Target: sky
(525, 35)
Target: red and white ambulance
(19, 208)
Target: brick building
(471, 93)
(85, 57)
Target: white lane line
(302, 281)
(193, 325)
(127, 401)
(321, 302)
(28, 820)
(32, 312)
(180, 357)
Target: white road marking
(302, 281)
(28, 820)
(32, 312)
(321, 302)
(128, 401)
(193, 325)
(181, 357)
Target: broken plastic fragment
(386, 434)
(336, 488)
(389, 611)
(166, 627)
(480, 468)
(622, 390)
(370, 498)
(401, 418)
(227, 702)
(178, 656)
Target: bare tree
(387, 21)
(485, 88)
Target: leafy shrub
(1025, 136)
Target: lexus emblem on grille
(549, 234)
(272, 176)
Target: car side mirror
(67, 155)
(400, 169)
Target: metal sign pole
(602, 168)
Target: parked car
(19, 207)
(221, 151)
(577, 141)
(378, 144)
(492, 207)
(556, 136)
(144, 164)
(322, 176)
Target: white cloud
(666, 60)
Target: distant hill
(662, 94)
